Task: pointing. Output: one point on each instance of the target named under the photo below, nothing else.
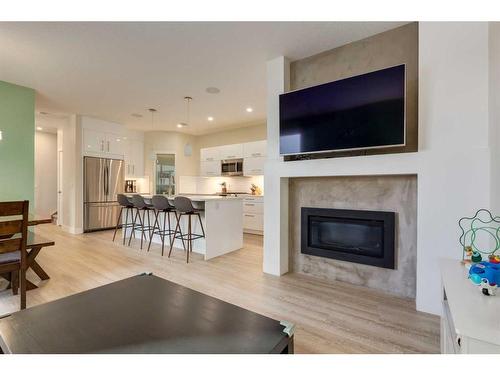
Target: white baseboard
(72, 230)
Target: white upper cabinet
(115, 144)
(93, 141)
(231, 151)
(104, 144)
(252, 153)
(103, 138)
(210, 168)
(253, 166)
(255, 149)
(210, 154)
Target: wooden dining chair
(13, 237)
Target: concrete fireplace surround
(378, 193)
(458, 133)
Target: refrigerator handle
(106, 181)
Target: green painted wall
(17, 147)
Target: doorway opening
(165, 174)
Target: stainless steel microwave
(232, 167)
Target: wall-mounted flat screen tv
(356, 113)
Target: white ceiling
(111, 70)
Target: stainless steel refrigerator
(102, 180)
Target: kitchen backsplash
(211, 185)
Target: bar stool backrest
(138, 201)
(160, 203)
(123, 200)
(183, 204)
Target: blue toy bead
(475, 278)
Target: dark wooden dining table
(37, 220)
(34, 244)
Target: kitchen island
(222, 220)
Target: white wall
(494, 111)
(251, 133)
(45, 173)
(453, 164)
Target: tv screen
(361, 112)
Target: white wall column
(276, 188)
(454, 155)
(494, 112)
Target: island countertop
(221, 217)
(193, 197)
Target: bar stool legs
(141, 225)
(173, 237)
(162, 233)
(189, 237)
(118, 223)
(124, 226)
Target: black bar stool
(141, 205)
(161, 204)
(184, 207)
(127, 205)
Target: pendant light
(153, 111)
(188, 102)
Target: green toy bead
(476, 257)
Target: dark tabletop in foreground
(141, 314)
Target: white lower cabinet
(253, 215)
(210, 168)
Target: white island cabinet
(222, 220)
(470, 321)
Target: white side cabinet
(469, 320)
(210, 168)
(253, 215)
(134, 158)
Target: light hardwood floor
(329, 317)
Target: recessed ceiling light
(182, 125)
(212, 90)
(249, 109)
(39, 128)
(210, 118)
(138, 115)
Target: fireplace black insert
(365, 237)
